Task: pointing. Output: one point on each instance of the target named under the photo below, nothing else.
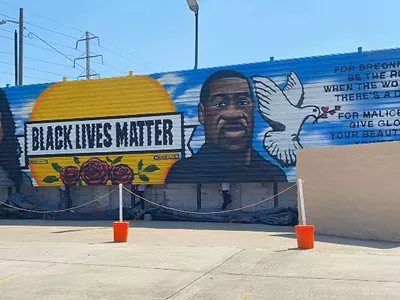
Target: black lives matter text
(113, 135)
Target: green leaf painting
(140, 165)
(151, 168)
(56, 167)
(117, 160)
(143, 177)
(50, 179)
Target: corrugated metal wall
(239, 124)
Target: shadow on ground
(347, 241)
(280, 231)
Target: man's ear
(201, 113)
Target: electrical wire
(58, 44)
(74, 28)
(48, 43)
(40, 60)
(25, 43)
(7, 16)
(9, 4)
(130, 54)
(127, 58)
(6, 37)
(110, 66)
(54, 48)
(44, 41)
(69, 36)
(41, 27)
(50, 30)
(34, 69)
(6, 30)
(30, 77)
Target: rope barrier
(151, 202)
(211, 212)
(59, 210)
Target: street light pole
(196, 54)
(21, 46)
(194, 7)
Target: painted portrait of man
(226, 110)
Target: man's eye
(243, 102)
(219, 104)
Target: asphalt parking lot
(178, 260)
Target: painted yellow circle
(109, 97)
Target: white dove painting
(285, 112)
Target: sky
(158, 35)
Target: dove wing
(294, 90)
(271, 99)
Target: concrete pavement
(178, 260)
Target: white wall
(358, 194)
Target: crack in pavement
(204, 274)
(100, 265)
(16, 276)
(308, 277)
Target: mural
(241, 123)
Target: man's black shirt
(212, 164)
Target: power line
(34, 69)
(41, 27)
(127, 58)
(30, 77)
(54, 48)
(40, 60)
(57, 44)
(6, 37)
(120, 49)
(69, 36)
(44, 41)
(44, 17)
(111, 67)
(50, 30)
(6, 30)
(7, 16)
(36, 46)
(74, 28)
(69, 47)
(53, 43)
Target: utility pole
(87, 42)
(21, 46)
(87, 56)
(16, 56)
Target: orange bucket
(305, 236)
(120, 231)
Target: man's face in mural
(227, 113)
